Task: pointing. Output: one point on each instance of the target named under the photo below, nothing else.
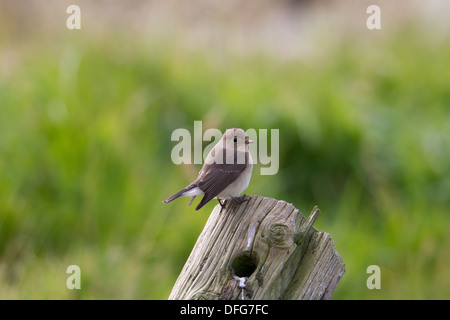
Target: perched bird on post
(226, 172)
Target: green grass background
(85, 126)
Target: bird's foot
(241, 199)
(237, 200)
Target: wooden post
(261, 249)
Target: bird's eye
(235, 140)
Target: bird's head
(237, 139)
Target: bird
(225, 174)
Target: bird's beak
(248, 141)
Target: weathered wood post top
(261, 249)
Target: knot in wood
(280, 235)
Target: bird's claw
(241, 199)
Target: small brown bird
(226, 172)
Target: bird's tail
(179, 193)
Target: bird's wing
(216, 177)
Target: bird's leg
(244, 198)
(241, 199)
(221, 204)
